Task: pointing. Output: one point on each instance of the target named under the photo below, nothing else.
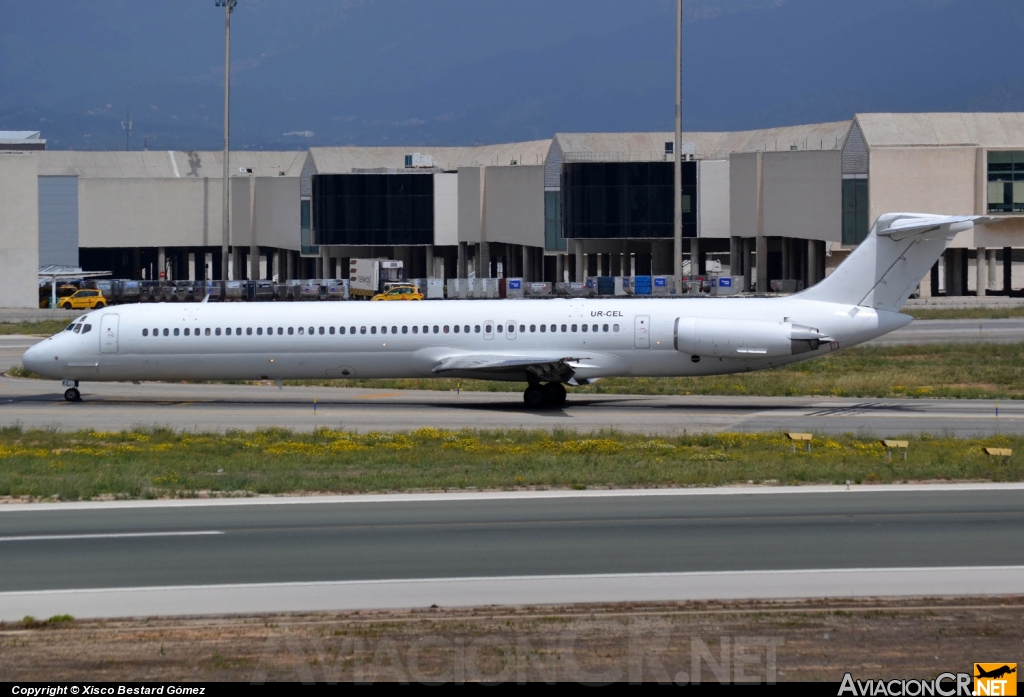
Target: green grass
(964, 371)
(46, 327)
(965, 313)
(161, 463)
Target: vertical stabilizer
(891, 261)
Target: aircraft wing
(552, 368)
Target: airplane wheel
(554, 394)
(533, 397)
(72, 394)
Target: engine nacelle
(736, 338)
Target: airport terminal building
(783, 204)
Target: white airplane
(547, 344)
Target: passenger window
(259, 331)
(487, 329)
(564, 328)
(476, 329)
(341, 330)
(238, 331)
(322, 330)
(227, 331)
(186, 331)
(604, 328)
(405, 330)
(467, 329)
(533, 328)
(301, 331)
(216, 331)
(584, 327)
(426, 329)
(207, 331)
(394, 330)
(543, 327)
(176, 331)
(615, 327)
(352, 330)
(522, 328)
(86, 328)
(595, 327)
(383, 330)
(280, 331)
(415, 329)
(497, 328)
(373, 330)
(574, 327)
(311, 332)
(145, 332)
(456, 328)
(167, 332)
(446, 329)
(362, 330)
(291, 331)
(435, 329)
(248, 331)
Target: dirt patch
(784, 641)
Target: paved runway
(961, 331)
(117, 406)
(378, 551)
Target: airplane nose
(33, 359)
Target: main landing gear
(540, 396)
(72, 394)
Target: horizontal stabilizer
(891, 261)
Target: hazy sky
(434, 72)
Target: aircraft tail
(891, 261)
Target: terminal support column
(981, 272)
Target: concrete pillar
(735, 256)
(748, 264)
(812, 263)
(787, 258)
(430, 260)
(981, 272)
(581, 270)
(484, 269)
(694, 256)
(949, 275)
(161, 263)
(460, 267)
(560, 267)
(761, 250)
(527, 271)
(1007, 270)
(991, 263)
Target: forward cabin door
(642, 332)
(108, 334)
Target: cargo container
(367, 276)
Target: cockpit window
(78, 327)
(86, 328)
(70, 327)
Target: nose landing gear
(544, 396)
(72, 394)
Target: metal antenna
(126, 126)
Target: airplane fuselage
(597, 337)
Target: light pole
(677, 236)
(229, 6)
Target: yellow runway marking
(384, 395)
